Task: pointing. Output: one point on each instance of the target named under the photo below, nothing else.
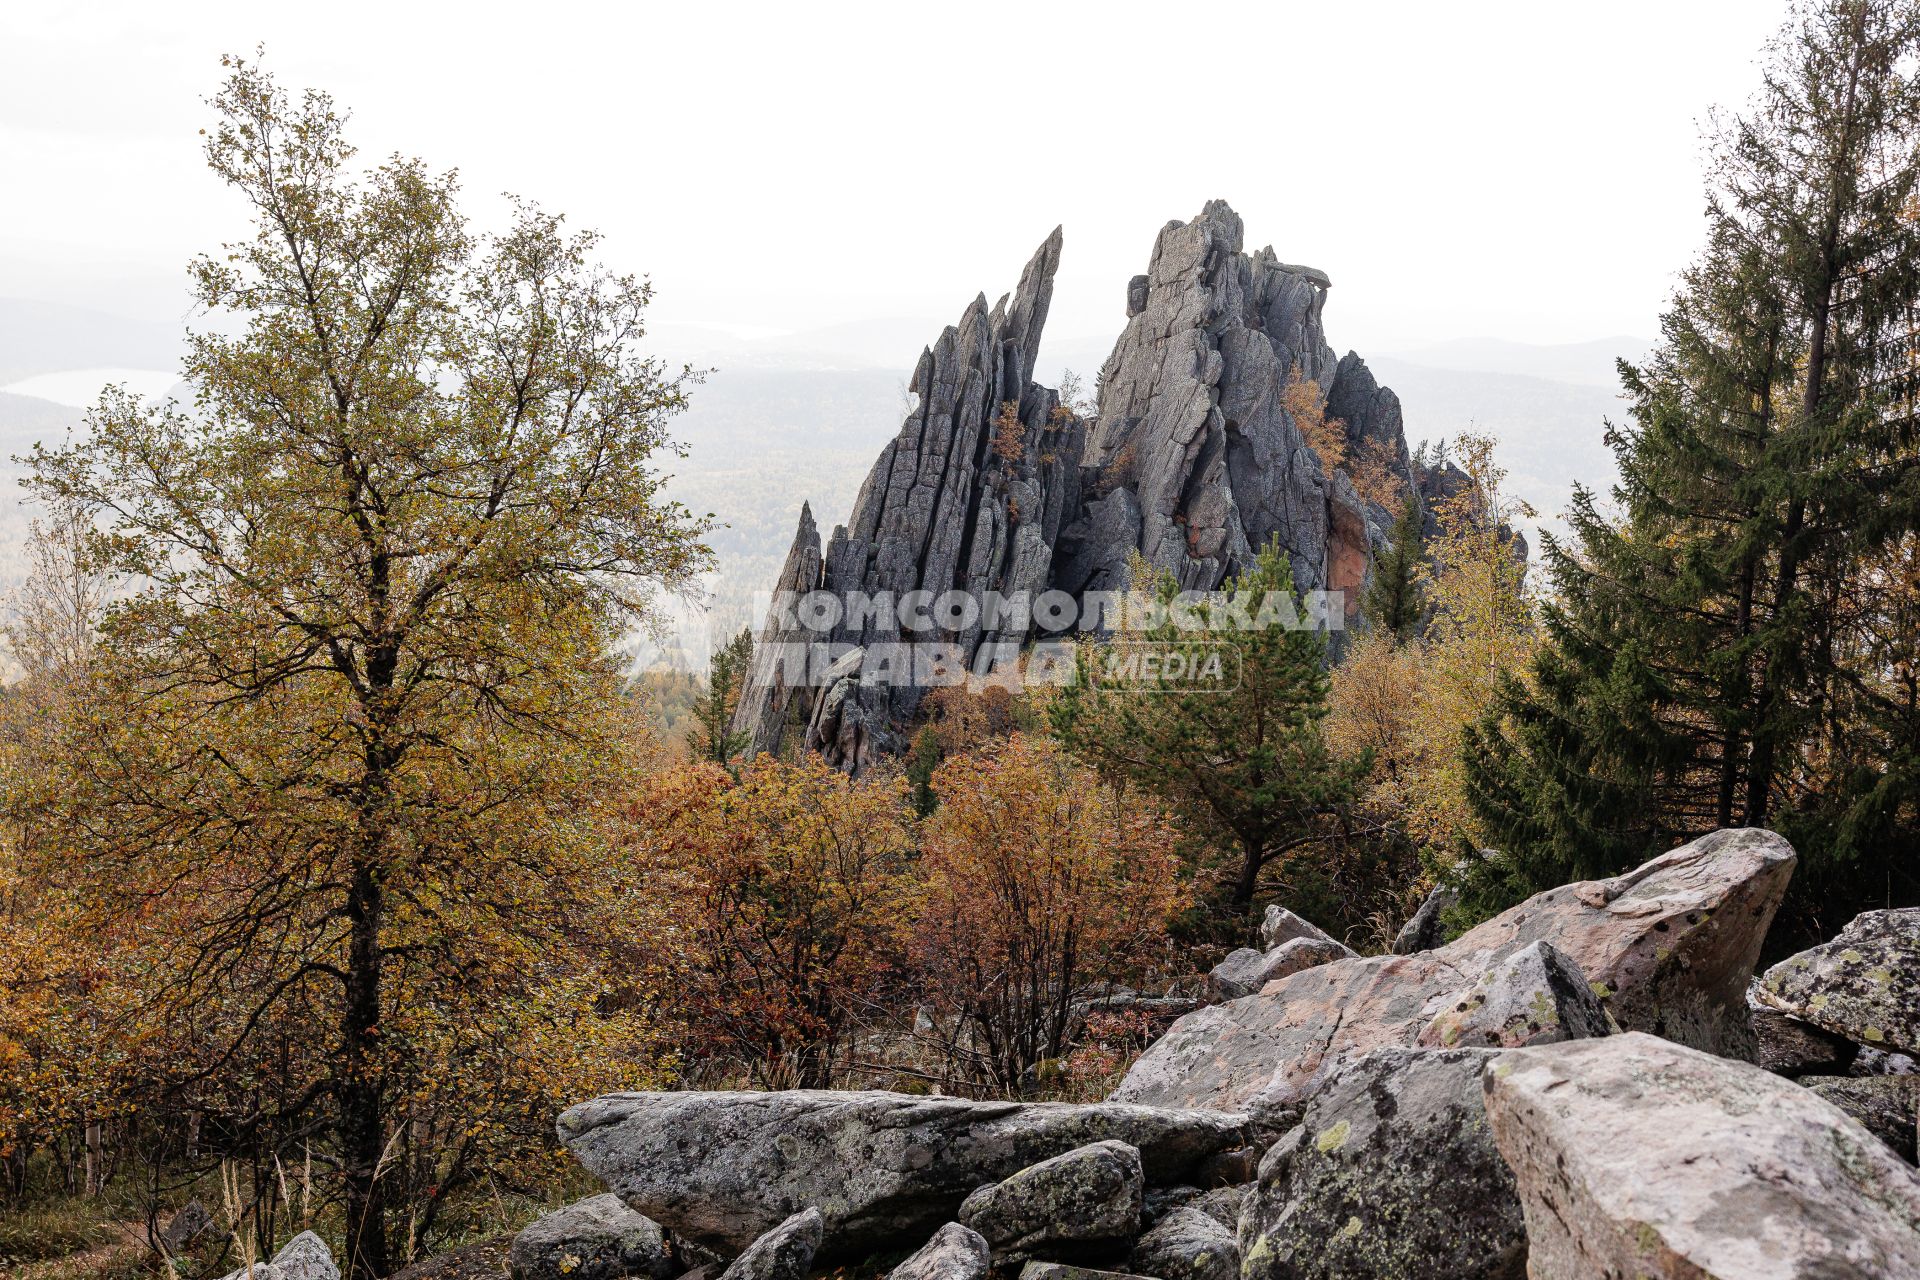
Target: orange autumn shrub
(1036, 881)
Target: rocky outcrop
(721, 1169)
(1084, 1198)
(1193, 457)
(1638, 1157)
(955, 1252)
(1668, 948)
(784, 1253)
(1192, 420)
(1864, 985)
(598, 1238)
(1245, 971)
(1391, 1172)
(774, 679)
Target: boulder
(1667, 948)
(1245, 971)
(720, 1169)
(1885, 1106)
(1789, 1047)
(186, 1227)
(784, 1253)
(1635, 1156)
(305, 1257)
(956, 1252)
(598, 1238)
(1063, 1271)
(1864, 985)
(1391, 1172)
(259, 1271)
(483, 1260)
(1425, 930)
(1878, 1062)
(1187, 1244)
(1223, 1205)
(1280, 926)
(1086, 1197)
(1532, 995)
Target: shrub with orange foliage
(1326, 436)
(1035, 880)
(786, 889)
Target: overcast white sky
(1520, 170)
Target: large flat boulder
(720, 1169)
(1635, 1156)
(1391, 1172)
(1864, 985)
(1666, 948)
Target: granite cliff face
(1191, 458)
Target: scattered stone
(784, 1253)
(956, 1252)
(720, 1169)
(1425, 930)
(1187, 1244)
(1524, 999)
(1223, 1205)
(1280, 926)
(1864, 985)
(186, 1228)
(1392, 1172)
(1245, 971)
(599, 1238)
(1885, 1106)
(305, 1257)
(1667, 948)
(1878, 1062)
(1088, 1196)
(1063, 1271)
(487, 1260)
(1635, 1156)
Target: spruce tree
(713, 737)
(1698, 644)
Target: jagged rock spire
(1193, 459)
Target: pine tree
(1396, 601)
(1699, 645)
(1243, 761)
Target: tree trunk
(362, 1140)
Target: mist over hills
(785, 417)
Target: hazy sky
(1520, 170)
